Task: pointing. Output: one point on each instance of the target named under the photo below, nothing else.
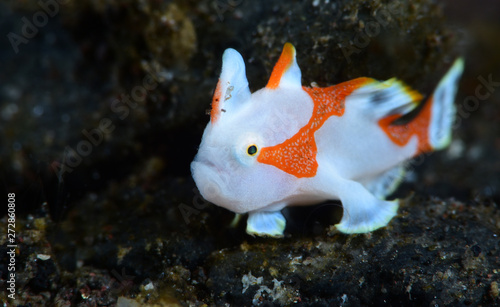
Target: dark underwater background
(102, 107)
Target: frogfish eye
(252, 150)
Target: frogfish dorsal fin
(286, 72)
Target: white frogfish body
(288, 144)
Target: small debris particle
(494, 291)
(248, 280)
(43, 257)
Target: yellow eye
(252, 150)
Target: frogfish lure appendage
(288, 144)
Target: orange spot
(297, 155)
(285, 61)
(214, 114)
(419, 126)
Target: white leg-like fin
(236, 220)
(443, 108)
(266, 224)
(363, 212)
(386, 183)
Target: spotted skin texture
(419, 126)
(297, 155)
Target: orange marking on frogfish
(215, 113)
(297, 155)
(286, 59)
(419, 126)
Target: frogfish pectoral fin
(266, 224)
(363, 212)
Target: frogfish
(289, 145)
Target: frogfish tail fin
(442, 107)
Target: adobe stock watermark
(471, 103)
(371, 29)
(198, 204)
(10, 267)
(94, 137)
(30, 28)
(223, 6)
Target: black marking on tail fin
(408, 117)
(379, 97)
